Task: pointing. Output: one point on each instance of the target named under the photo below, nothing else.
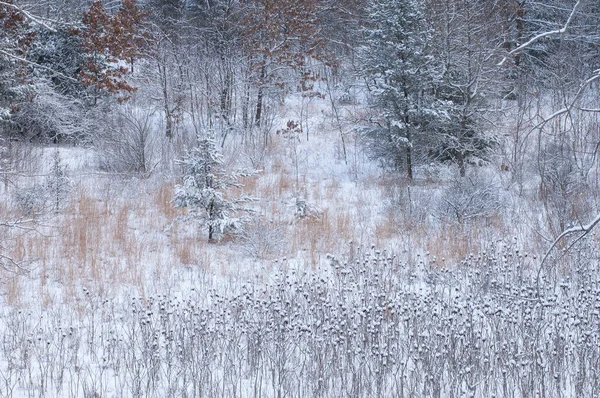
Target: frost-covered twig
(22, 224)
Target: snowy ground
(377, 292)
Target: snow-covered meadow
(316, 198)
(379, 288)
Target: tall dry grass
(100, 242)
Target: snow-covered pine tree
(16, 37)
(203, 191)
(466, 46)
(400, 71)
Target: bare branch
(17, 267)
(542, 35)
(586, 229)
(19, 224)
(28, 15)
(571, 105)
(34, 64)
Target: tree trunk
(409, 166)
(520, 22)
(245, 107)
(259, 96)
(211, 228)
(409, 171)
(162, 69)
(225, 101)
(460, 159)
(259, 102)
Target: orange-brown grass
(251, 185)
(388, 228)
(101, 243)
(285, 184)
(317, 236)
(454, 242)
(184, 247)
(450, 245)
(120, 232)
(163, 198)
(13, 288)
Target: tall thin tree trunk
(225, 99)
(259, 96)
(162, 69)
(409, 170)
(409, 166)
(211, 228)
(259, 103)
(460, 158)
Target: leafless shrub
(474, 196)
(51, 116)
(31, 200)
(127, 143)
(262, 239)
(562, 188)
(304, 209)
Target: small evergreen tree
(400, 70)
(203, 191)
(58, 185)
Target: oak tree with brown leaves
(109, 42)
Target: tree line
(434, 69)
(449, 81)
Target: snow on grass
(349, 279)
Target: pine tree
(16, 37)
(399, 68)
(465, 45)
(204, 187)
(58, 184)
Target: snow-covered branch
(595, 76)
(542, 35)
(36, 65)
(8, 262)
(585, 229)
(36, 20)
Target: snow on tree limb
(586, 229)
(542, 35)
(36, 65)
(29, 16)
(571, 105)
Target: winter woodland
(299, 198)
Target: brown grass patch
(163, 198)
